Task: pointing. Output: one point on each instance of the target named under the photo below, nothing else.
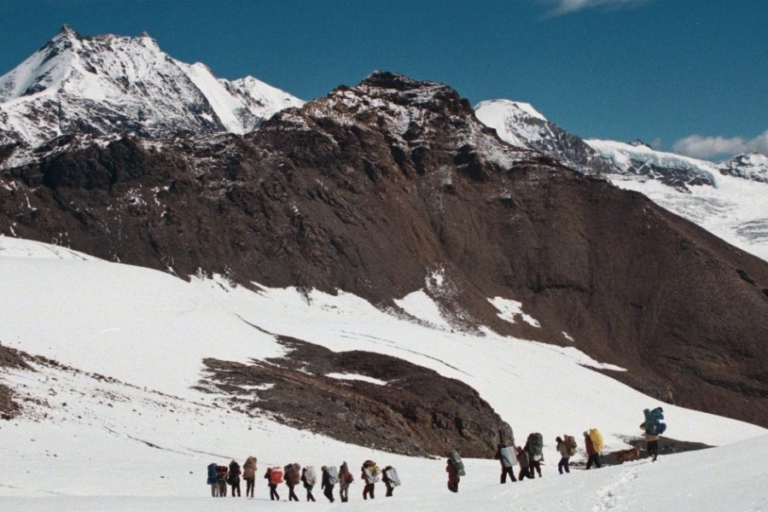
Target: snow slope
(111, 84)
(120, 428)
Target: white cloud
(699, 146)
(568, 6)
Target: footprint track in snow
(610, 496)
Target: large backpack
(212, 473)
(570, 443)
(310, 475)
(455, 460)
(653, 423)
(597, 439)
(392, 476)
(508, 456)
(292, 474)
(333, 475)
(276, 476)
(536, 446)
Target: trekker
(388, 482)
(212, 479)
(326, 484)
(653, 427)
(522, 459)
(370, 475)
(292, 479)
(505, 454)
(345, 479)
(221, 479)
(593, 456)
(234, 478)
(274, 477)
(249, 475)
(308, 479)
(534, 446)
(565, 456)
(453, 477)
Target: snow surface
(137, 435)
(509, 309)
(352, 376)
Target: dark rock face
(417, 411)
(373, 187)
(10, 358)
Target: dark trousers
(390, 488)
(535, 467)
(453, 485)
(524, 473)
(328, 491)
(368, 491)
(215, 490)
(249, 485)
(653, 449)
(273, 492)
(564, 464)
(236, 489)
(292, 495)
(222, 489)
(309, 492)
(593, 459)
(505, 472)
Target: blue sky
(685, 74)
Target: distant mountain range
(110, 84)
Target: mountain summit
(112, 84)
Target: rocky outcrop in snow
(752, 166)
(111, 84)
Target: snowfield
(120, 428)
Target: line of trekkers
(530, 457)
(294, 475)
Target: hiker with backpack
(370, 475)
(455, 470)
(249, 475)
(506, 456)
(221, 480)
(522, 459)
(292, 479)
(565, 455)
(653, 428)
(534, 446)
(593, 448)
(274, 478)
(345, 480)
(391, 479)
(327, 484)
(234, 478)
(212, 479)
(308, 478)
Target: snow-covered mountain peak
(521, 125)
(114, 84)
(750, 166)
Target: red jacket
(590, 447)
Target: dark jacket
(522, 458)
(326, 480)
(452, 475)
